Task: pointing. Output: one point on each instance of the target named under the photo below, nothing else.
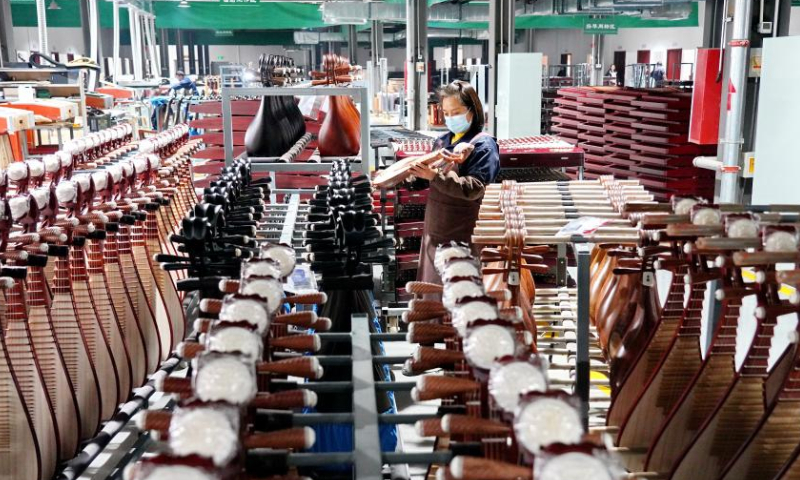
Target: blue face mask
(457, 123)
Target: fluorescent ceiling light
(184, 4)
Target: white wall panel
(519, 107)
(794, 21)
(554, 43)
(777, 155)
(61, 39)
(395, 58)
(657, 40)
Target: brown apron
(446, 219)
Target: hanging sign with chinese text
(600, 26)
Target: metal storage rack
(48, 79)
(119, 443)
(269, 164)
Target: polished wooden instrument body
(340, 134)
(749, 395)
(26, 409)
(680, 360)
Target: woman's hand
(459, 154)
(421, 170)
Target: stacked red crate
(565, 119)
(618, 132)
(638, 133)
(664, 152)
(591, 113)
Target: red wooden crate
(620, 128)
(592, 147)
(613, 117)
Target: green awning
(222, 16)
(622, 21)
(286, 16)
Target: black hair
(468, 97)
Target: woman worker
(457, 188)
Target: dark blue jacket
(185, 84)
(483, 164)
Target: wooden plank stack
(635, 133)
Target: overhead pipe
(707, 163)
(732, 140)
(722, 35)
(359, 13)
(41, 25)
(417, 55)
(302, 37)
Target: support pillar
(733, 136)
(100, 53)
(597, 60)
(376, 53)
(417, 63)
(201, 60)
(333, 46)
(85, 28)
(784, 10)
(712, 23)
(163, 46)
(179, 50)
(529, 40)
(8, 52)
(501, 40)
(352, 44)
(116, 60)
(192, 63)
(376, 41)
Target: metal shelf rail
(267, 164)
(366, 457)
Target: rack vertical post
(582, 366)
(367, 461)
